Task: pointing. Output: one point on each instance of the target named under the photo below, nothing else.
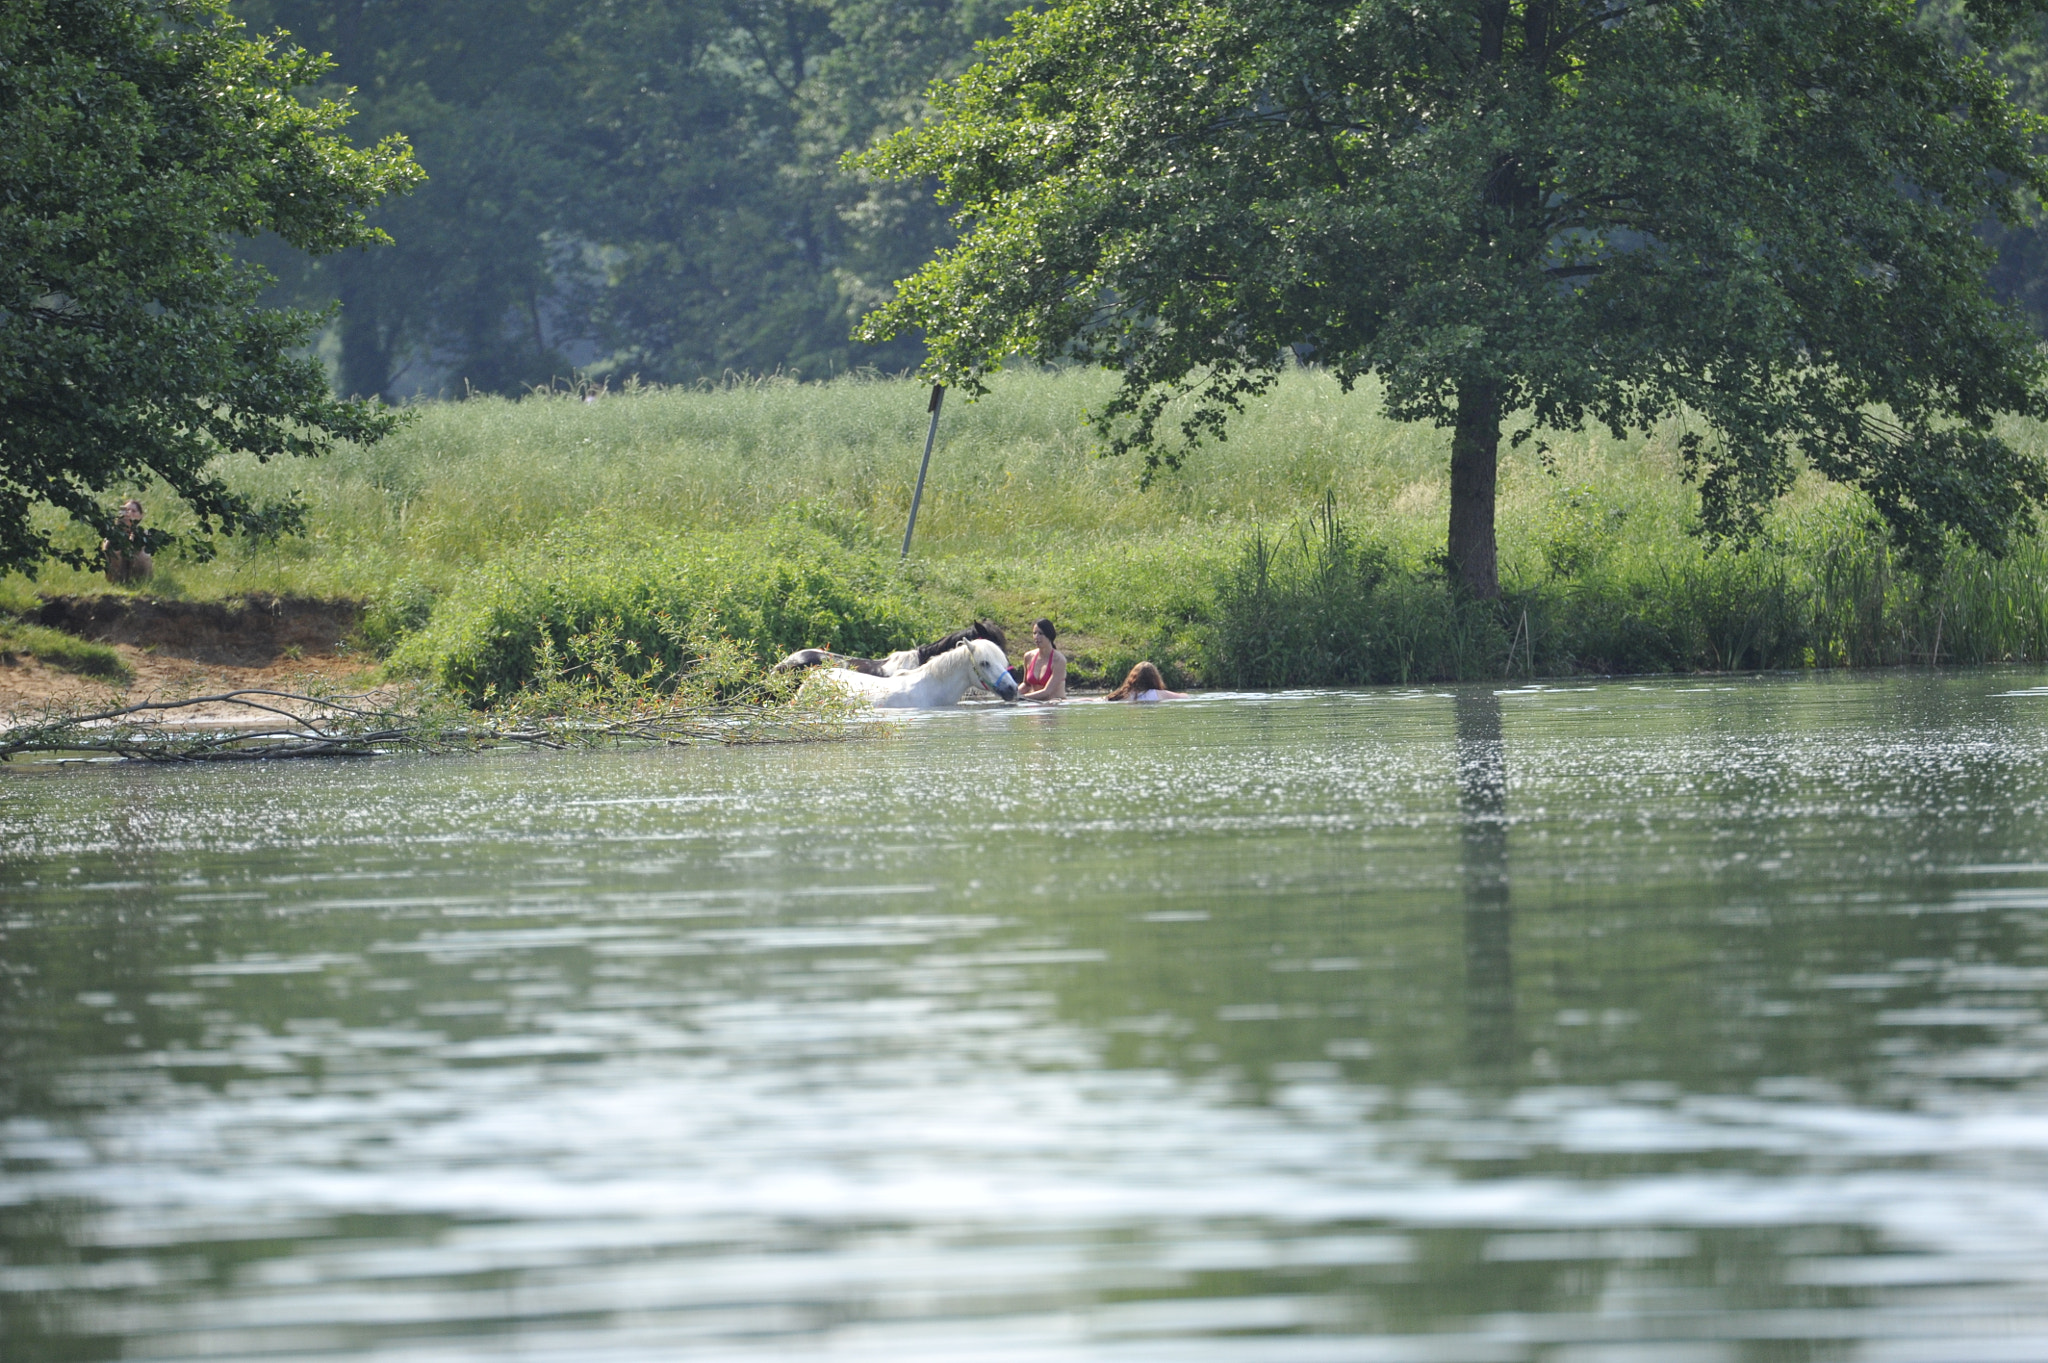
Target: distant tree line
(654, 187)
(627, 186)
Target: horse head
(992, 669)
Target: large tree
(137, 139)
(1756, 214)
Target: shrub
(400, 608)
(791, 587)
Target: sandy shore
(29, 687)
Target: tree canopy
(2019, 55)
(1754, 215)
(137, 138)
(654, 186)
(641, 187)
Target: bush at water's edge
(773, 592)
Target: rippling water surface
(1678, 1021)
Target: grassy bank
(20, 636)
(1300, 551)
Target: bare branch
(161, 731)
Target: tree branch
(1599, 20)
(423, 728)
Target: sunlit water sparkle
(1674, 1020)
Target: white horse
(897, 663)
(939, 683)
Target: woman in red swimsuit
(1045, 667)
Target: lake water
(1672, 1021)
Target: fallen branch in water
(267, 724)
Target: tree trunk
(1475, 458)
(1493, 24)
(365, 356)
(365, 353)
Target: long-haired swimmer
(1145, 683)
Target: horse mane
(957, 659)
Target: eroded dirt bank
(248, 631)
(183, 648)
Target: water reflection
(1223, 1053)
(1483, 866)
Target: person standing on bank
(1045, 667)
(126, 547)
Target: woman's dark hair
(1052, 636)
(1143, 677)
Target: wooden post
(938, 396)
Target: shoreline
(170, 649)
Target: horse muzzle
(1005, 687)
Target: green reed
(1822, 588)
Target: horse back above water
(936, 684)
(899, 662)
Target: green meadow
(1301, 551)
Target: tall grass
(1319, 605)
(1015, 478)
(1300, 550)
